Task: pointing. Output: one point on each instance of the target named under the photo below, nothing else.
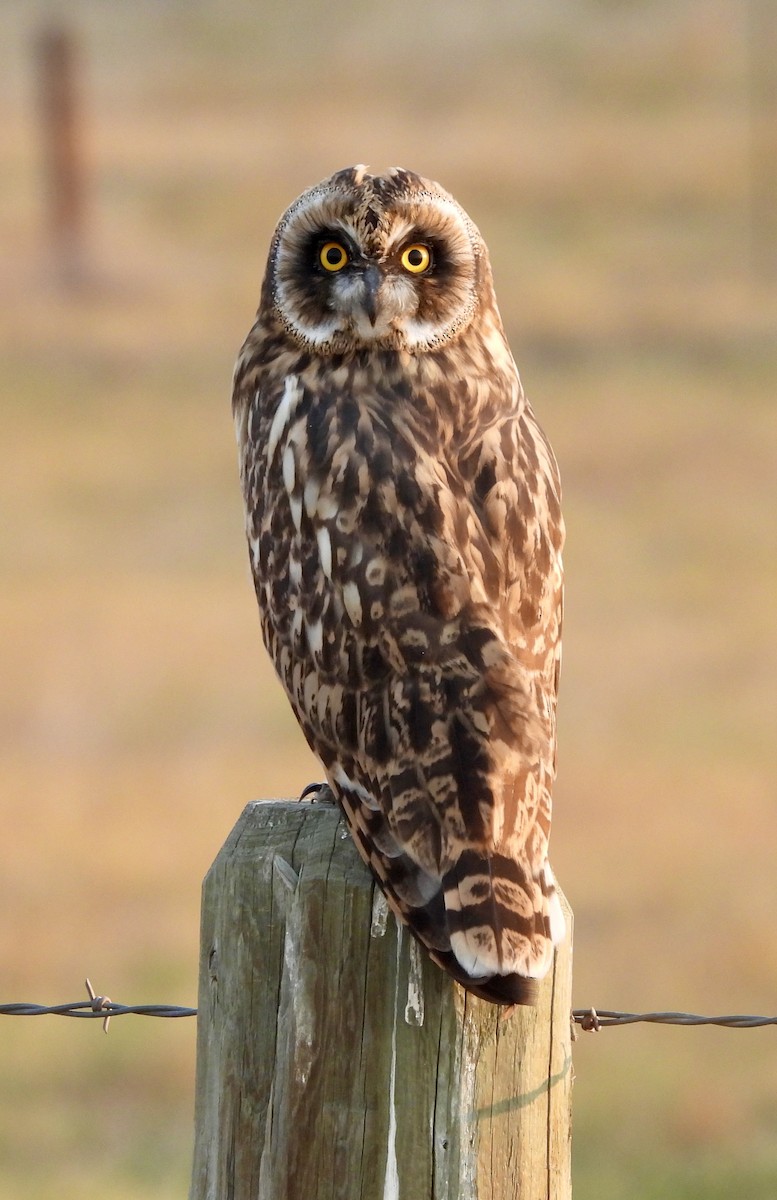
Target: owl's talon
(321, 793)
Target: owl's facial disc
(375, 261)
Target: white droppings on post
(391, 1178)
(468, 1121)
(301, 974)
(265, 1162)
(380, 912)
(414, 1009)
(285, 871)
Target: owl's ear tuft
(350, 176)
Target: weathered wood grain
(335, 1062)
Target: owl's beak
(372, 280)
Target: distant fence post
(335, 1060)
(61, 142)
(762, 70)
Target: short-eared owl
(405, 532)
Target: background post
(62, 151)
(333, 1059)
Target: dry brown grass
(606, 160)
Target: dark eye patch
(441, 267)
(315, 243)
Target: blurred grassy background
(607, 152)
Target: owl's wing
(397, 605)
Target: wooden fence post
(335, 1061)
(62, 150)
(762, 73)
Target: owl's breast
(373, 559)
(355, 563)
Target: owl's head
(387, 261)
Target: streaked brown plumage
(404, 525)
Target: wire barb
(99, 1004)
(588, 1021)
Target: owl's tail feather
(503, 921)
(489, 922)
(499, 989)
(430, 924)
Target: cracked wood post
(335, 1061)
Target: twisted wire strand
(96, 1006)
(85, 1008)
(590, 1020)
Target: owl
(405, 535)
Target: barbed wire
(96, 1006)
(590, 1020)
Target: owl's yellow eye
(333, 256)
(416, 258)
